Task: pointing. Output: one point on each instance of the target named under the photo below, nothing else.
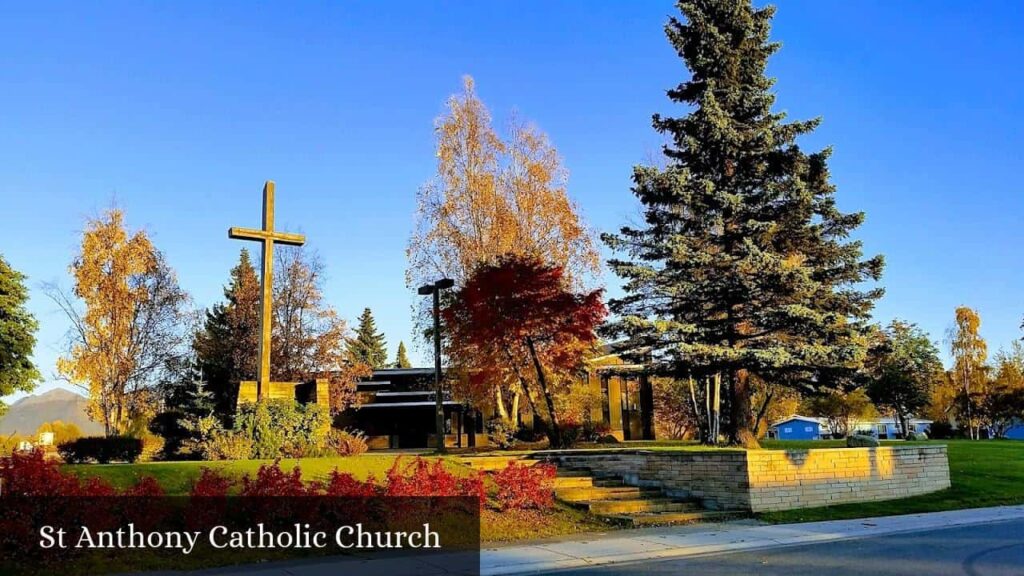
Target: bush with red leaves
(147, 486)
(271, 480)
(522, 487)
(31, 474)
(345, 485)
(420, 478)
(211, 484)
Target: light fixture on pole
(435, 290)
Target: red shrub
(521, 487)
(421, 478)
(208, 499)
(211, 484)
(346, 485)
(147, 486)
(272, 481)
(31, 474)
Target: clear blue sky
(180, 111)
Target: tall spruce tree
(227, 345)
(17, 335)
(368, 346)
(402, 357)
(743, 265)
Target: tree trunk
(554, 431)
(716, 409)
(701, 430)
(514, 415)
(742, 415)
(537, 417)
(763, 410)
(500, 404)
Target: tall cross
(267, 237)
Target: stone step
(562, 482)
(640, 505)
(495, 463)
(603, 493)
(608, 482)
(574, 473)
(664, 518)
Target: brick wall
(765, 480)
(783, 480)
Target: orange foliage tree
(521, 315)
(493, 197)
(134, 328)
(308, 334)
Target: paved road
(995, 549)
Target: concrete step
(562, 482)
(665, 518)
(603, 493)
(574, 473)
(495, 463)
(608, 482)
(640, 505)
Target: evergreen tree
(402, 358)
(368, 346)
(742, 265)
(227, 345)
(17, 335)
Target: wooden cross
(267, 237)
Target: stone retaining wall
(767, 480)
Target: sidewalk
(685, 541)
(628, 546)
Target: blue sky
(179, 112)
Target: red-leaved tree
(520, 324)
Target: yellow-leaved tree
(133, 330)
(493, 198)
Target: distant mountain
(27, 414)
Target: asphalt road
(981, 550)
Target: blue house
(1015, 432)
(796, 428)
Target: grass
(983, 473)
(177, 477)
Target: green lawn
(982, 473)
(177, 477)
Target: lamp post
(435, 290)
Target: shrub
(916, 436)
(102, 449)
(346, 442)
(344, 484)
(941, 430)
(595, 431)
(271, 480)
(211, 484)
(569, 434)
(608, 439)
(224, 445)
(861, 441)
(146, 486)
(420, 478)
(502, 433)
(32, 474)
(525, 487)
(284, 428)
